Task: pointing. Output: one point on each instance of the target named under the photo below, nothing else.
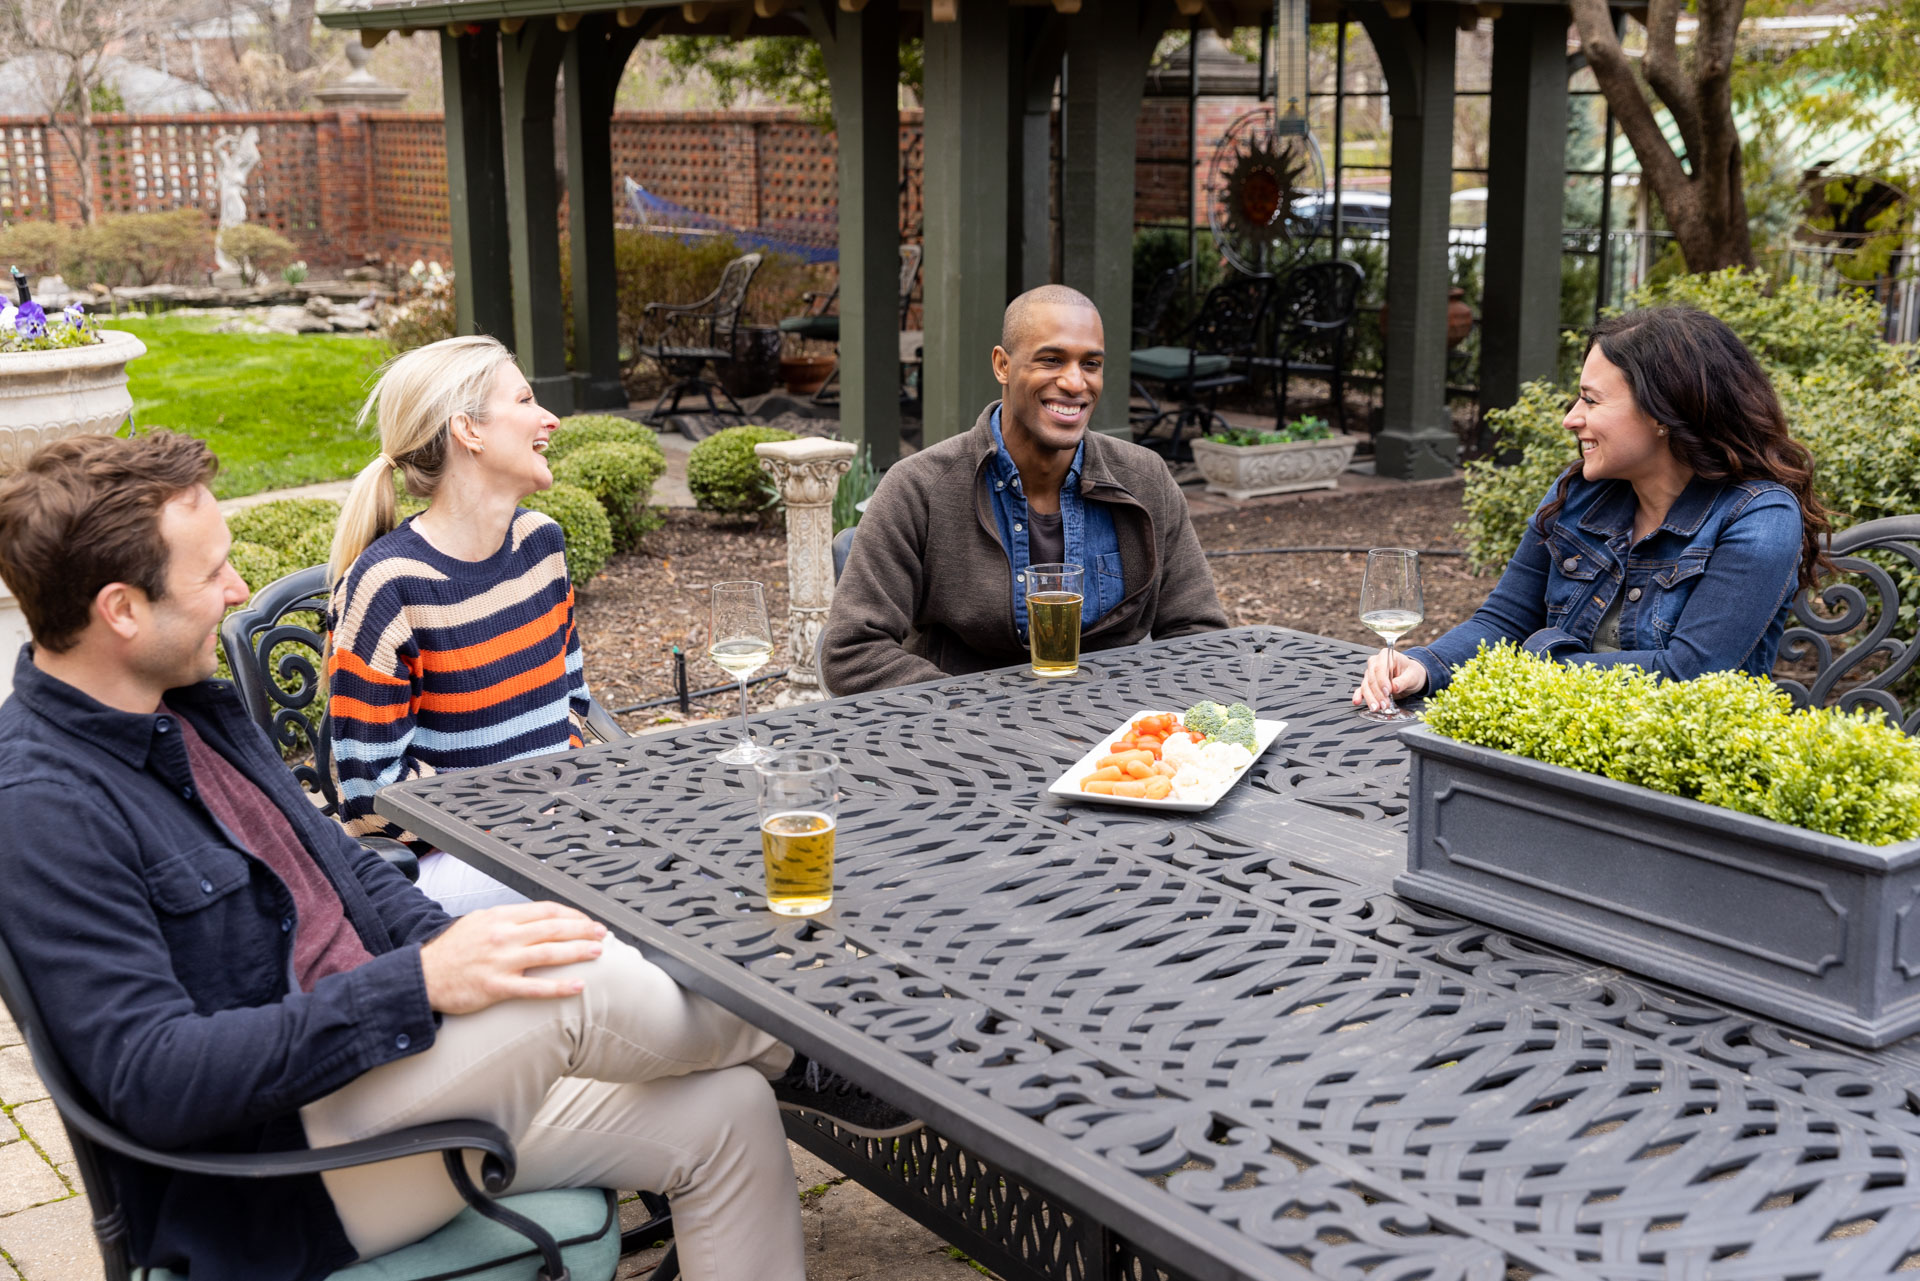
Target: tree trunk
(294, 36)
(1704, 197)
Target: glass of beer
(1054, 594)
(799, 802)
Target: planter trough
(1817, 931)
(1247, 471)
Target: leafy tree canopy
(787, 69)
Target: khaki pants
(635, 1084)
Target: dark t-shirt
(1046, 538)
(324, 941)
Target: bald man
(936, 582)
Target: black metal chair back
(729, 298)
(1874, 668)
(1152, 311)
(276, 646)
(1229, 319)
(1317, 299)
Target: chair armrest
(676, 308)
(398, 853)
(497, 1167)
(600, 723)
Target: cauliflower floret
(1226, 756)
(1193, 781)
(1179, 748)
(1205, 719)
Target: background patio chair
(1312, 313)
(822, 323)
(1876, 666)
(685, 338)
(567, 1233)
(1148, 318)
(1223, 335)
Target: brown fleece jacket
(928, 588)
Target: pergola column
(532, 66)
(476, 183)
(1526, 164)
(1108, 49)
(967, 207)
(862, 52)
(1416, 439)
(1039, 41)
(596, 52)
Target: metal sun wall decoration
(1266, 179)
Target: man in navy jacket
(223, 969)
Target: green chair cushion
(822, 327)
(472, 1247)
(1169, 364)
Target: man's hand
(483, 958)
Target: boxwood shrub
(725, 475)
(617, 462)
(1727, 739)
(584, 522)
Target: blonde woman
(451, 633)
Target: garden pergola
(991, 68)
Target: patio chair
(1312, 315)
(1147, 321)
(1224, 335)
(822, 323)
(275, 647)
(1874, 667)
(685, 338)
(562, 1235)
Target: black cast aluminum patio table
(1214, 1045)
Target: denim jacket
(1706, 591)
(1087, 526)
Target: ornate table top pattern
(1219, 1033)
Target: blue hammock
(815, 238)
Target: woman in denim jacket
(1675, 544)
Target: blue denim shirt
(1706, 591)
(1088, 528)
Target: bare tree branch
(1662, 65)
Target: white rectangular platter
(1067, 786)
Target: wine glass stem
(1392, 702)
(746, 735)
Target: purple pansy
(31, 320)
(76, 315)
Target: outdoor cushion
(1169, 364)
(473, 1248)
(826, 328)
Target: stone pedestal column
(807, 473)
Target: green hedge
(616, 461)
(725, 475)
(1726, 739)
(1849, 398)
(584, 521)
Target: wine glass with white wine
(1391, 606)
(741, 640)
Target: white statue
(237, 155)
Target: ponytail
(418, 394)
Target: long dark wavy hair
(1692, 375)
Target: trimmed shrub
(724, 473)
(259, 250)
(143, 248)
(621, 476)
(1726, 739)
(255, 564)
(584, 522)
(599, 429)
(1849, 398)
(37, 248)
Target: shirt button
(1633, 593)
(162, 725)
(187, 791)
(402, 1041)
(999, 484)
(206, 886)
(286, 925)
(1019, 578)
(1570, 564)
(1017, 527)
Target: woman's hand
(1390, 676)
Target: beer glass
(1054, 596)
(799, 802)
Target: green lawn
(277, 408)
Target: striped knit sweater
(436, 663)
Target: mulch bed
(647, 601)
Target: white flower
(7, 317)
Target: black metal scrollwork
(1872, 669)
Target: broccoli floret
(1240, 712)
(1237, 731)
(1205, 720)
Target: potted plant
(1304, 454)
(1703, 832)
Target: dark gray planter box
(1817, 931)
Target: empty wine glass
(741, 640)
(1391, 606)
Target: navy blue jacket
(161, 955)
(1707, 591)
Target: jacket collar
(1096, 472)
(126, 735)
(1612, 511)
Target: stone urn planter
(1816, 930)
(1245, 471)
(47, 395)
